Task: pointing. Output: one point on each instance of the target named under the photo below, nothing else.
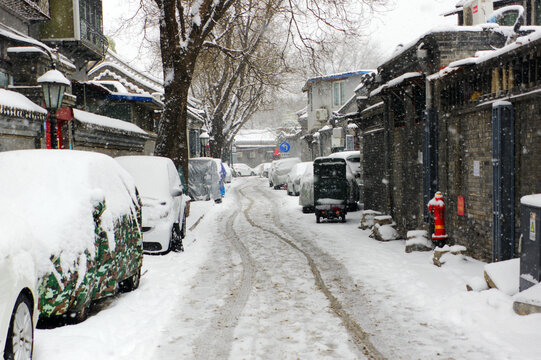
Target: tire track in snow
(215, 342)
(360, 337)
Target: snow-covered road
(260, 280)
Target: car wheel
(132, 282)
(176, 239)
(20, 338)
(305, 209)
(343, 218)
(276, 187)
(270, 184)
(318, 219)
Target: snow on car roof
(48, 201)
(344, 154)
(150, 174)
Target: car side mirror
(176, 192)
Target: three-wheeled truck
(330, 188)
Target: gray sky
(404, 21)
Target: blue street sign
(284, 147)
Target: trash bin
(530, 257)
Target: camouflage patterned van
(80, 214)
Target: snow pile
(367, 218)
(48, 201)
(504, 275)
(453, 254)
(417, 240)
(531, 296)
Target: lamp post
(53, 84)
(204, 138)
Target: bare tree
(236, 70)
(188, 26)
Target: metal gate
(503, 185)
(430, 158)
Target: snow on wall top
(19, 101)
(395, 82)
(65, 185)
(531, 200)
(255, 137)
(104, 121)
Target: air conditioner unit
(477, 12)
(321, 115)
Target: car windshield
(150, 174)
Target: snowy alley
(261, 280)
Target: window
(339, 93)
(251, 155)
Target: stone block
(439, 252)
(417, 240)
(367, 219)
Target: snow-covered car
(78, 214)
(18, 302)
(258, 170)
(279, 171)
(163, 199)
(204, 180)
(353, 173)
(228, 175)
(243, 169)
(306, 192)
(294, 178)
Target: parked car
(243, 170)
(294, 178)
(228, 174)
(79, 215)
(279, 171)
(18, 302)
(163, 199)
(204, 180)
(353, 161)
(306, 193)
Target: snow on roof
(116, 62)
(104, 121)
(441, 29)
(13, 34)
(337, 76)
(15, 100)
(395, 82)
(64, 185)
(381, 103)
(483, 56)
(255, 137)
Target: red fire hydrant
(437, 207)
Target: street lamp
(204, 138)
(53, 84)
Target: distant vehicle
(266, 168)
(330, 188)
(81, 224)
(243, 169)
(228, 175)
(279, 171)
(204, 180)
(306, 192)
(18, 302)
(294, 178)
(353, 161)
(164, 202)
